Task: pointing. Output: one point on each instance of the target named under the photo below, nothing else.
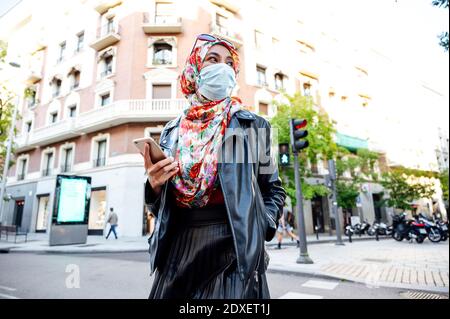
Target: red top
(216, 197)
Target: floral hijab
(201, 130)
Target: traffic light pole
(334, 205)
(304, 257)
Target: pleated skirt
(202, 261)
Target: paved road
(126, 275)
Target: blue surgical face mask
(216, 81)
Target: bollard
(317, 232)
(376, 234)
(350, 237)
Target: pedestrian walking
(113, 222)
(285, 225)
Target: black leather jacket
(254, 201)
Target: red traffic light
(299, 123)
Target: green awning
(351, 143)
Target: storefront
(97, 211)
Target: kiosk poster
(73, 194)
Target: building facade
(100, 73)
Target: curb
(329, 241)
(442, 290)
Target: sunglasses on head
(210, 38)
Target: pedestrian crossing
(315, 284)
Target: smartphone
(156, 153)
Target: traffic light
(298, 135)
(284, 154)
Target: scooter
(408, 229)
(434, 234)
(382, 228)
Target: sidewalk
(98, 244)
(386, 263)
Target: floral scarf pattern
(201, 130)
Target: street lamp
(8, 147)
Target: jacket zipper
(231, 223)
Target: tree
(360, 166)
(403, 189)
(320, 138)
(6, 112)
(443, 37)
(443, 177)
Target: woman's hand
(159, 172)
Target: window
(258, 39)
(101, 154)
(53, 117)
(72, 110)
(56, 87)
(221, 23)
(110, 25)
(164, 12)
(22, 169)
(97, 210)
(75, 78)
(31, 96)
(62, 50)
(279, 81)
(48, 164)
(263, 108)
(306, 89)
(162, 53)
(80, 41)
(261, 76)
(107, 66)
(67, 160)
(105, 99)
(28, 126)
(162, 91)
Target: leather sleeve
(270, 185)
(151, 199)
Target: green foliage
(401, 192)
(347, 193)
(443, 177)
(6, 113)
(320, 138)
(443, 37)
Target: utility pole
(298, 144)
(334, 206)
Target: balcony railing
(99, 162)
(115, 113)
(66, 168)
(161, 23)
(46, 172)
(107, 35)
(226, 33)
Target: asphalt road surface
(126, 275)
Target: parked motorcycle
(382, 228)
(408, 229)
(443, 229)
(434, 234)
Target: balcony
(104, 5)
(116, 113)
(161, 24)
(226, 33)
(98, 162)
(107, 35)
(46, 172)
(20, 177)
(66, 168)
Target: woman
(212, 216)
